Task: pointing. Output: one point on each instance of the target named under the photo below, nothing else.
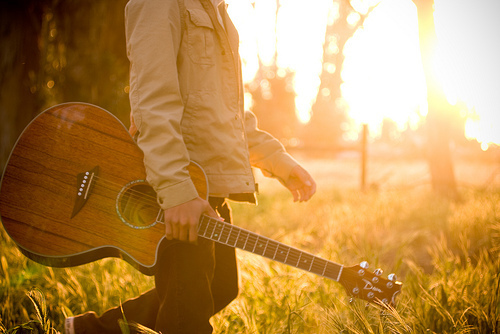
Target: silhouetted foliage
(55, 51)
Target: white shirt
(217, 4)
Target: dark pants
(192, 283)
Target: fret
(306, 261)
(271, 248)
(265, 248)
(242, 240)
(246, 240)
(229, 234)
(340, 273)
(318, 266)
(312, 262)
(292, 256)
(298, 261)
(213, 231)
(221, 231)
(332, 271)
(237, 238)
(287, 253)
(256, 243)
(207, 231)
(250, 242)
(276, 251)
(232, 237)
(280, 253)
(259, 248)
(225, 233)
(324, 269)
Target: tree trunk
(19, 31)
(439, 110)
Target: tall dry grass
(446, 254)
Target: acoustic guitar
(74, 191)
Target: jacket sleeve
(153, 35)
(266, 152)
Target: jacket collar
(229, 31)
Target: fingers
(308, 190)
(301, 184)
(181, 222)
(302, 194)
(168, 230)
(184, 229)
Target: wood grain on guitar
(74, 191)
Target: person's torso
(211, 87)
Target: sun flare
(382, 72)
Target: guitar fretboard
(234, 236)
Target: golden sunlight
(292, 38)
(468, 63)
(382, 74)
(382, 71)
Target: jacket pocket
(201, 44)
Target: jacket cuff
(282, 164)
(176, 194)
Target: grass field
(445, 253)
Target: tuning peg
(377, 273)
(364, 265)
(392, 277)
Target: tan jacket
(186, 97)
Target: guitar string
(102, 181)
(291, 255)
(315, 264)
(141, 197)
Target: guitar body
(40, 205)
(74, 191)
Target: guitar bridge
(84, 184)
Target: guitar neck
(237, 237)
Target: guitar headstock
(370, 286)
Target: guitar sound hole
(137, 206)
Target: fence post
(364, 155)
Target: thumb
(209, 211)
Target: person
(186, 97)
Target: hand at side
(301, 184)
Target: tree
(439, 110)
(328, 112)
(56, 51)
(20, 26)
(273, 96)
